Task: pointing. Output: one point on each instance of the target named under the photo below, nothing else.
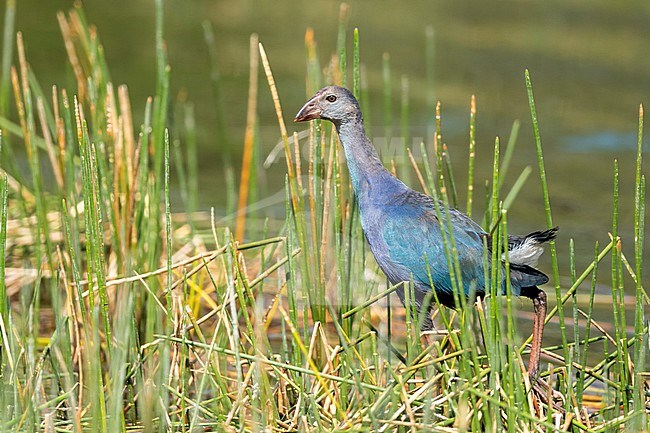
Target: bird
(405, 228)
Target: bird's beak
(309, 111)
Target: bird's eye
(331, 98)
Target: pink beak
(309, 111)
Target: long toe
(547, 395)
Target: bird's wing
(415, 246)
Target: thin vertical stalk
(6, 362)
(388, 100)
(450, 175)
(340, 42)
(580, 385)
(493, 284)
(313, 65)
(95, 272)
(292, 286)
(404, 132)
(510, 378)
(617, 295)
(168, 225)
(430, 51)
(640, 324)
(98, 233)
(249, 139)
(575, 349)
(4, 300)
(437, 150)
(5, 80)
(547, 209)
(510, 150)
(318, 311)
(24, 103)
(356, 73)
(7, 52)
(339, 222)
(472, 155)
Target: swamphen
(405, 235)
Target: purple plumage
(406, 235)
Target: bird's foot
(543, 392)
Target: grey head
(333, 103)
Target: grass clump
(119, 315)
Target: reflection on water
(589, 63)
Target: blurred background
(589, 61)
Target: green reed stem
(569, 293)
(471, 160)
(372, 300)
(574, 353)
(168, 225)
(640, 324)
(7, 54)
(339, 215)
(98, 233)
(494, 348)
(510, 150)
(6, 361)
(356, 73)
(450, 176)
(388, 99)
(341, 40)
(547, 206)
(516, 187)
(39, 94)
(511, 376)
(404, 131)
(619, 324)
(4, 300)
(590, 309)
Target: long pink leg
(539, 304)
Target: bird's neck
(363, 161)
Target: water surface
(589, 60)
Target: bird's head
(332, 103)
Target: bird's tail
(525, 250)
(543, 236)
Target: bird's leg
(539, 304)
(540, 387)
